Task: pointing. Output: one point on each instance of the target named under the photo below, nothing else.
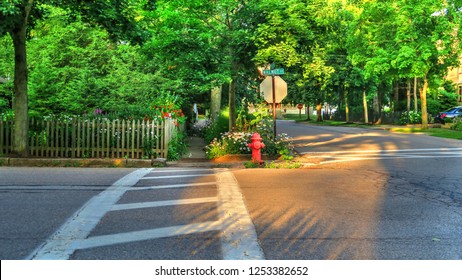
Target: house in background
(455, 75)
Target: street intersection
(362, 195)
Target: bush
(177, 146)
(7, 115)
(282, 146)
(457, 125)
(213, 130)
(237, 142)
(414, 118)
(229, 143)
(448, 120)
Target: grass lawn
(295, 117)
(437, 132)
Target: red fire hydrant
(256, 147)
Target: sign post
(300, 107)
(281, 94)
(274, 106)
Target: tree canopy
(120, 55)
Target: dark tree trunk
(366, 113)
(423, 103)
(232, 105)
(20, 97)
(215, 102)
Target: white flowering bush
(237, 142)
(229, 143)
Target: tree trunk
(307, 111)
(215, 102)
(347, 108)
(20, 99)
(415, 95)
(408, 95)
(366, 113)
(377, 109)
(395, 96)
(319, 112)
(232, 105)
(423, 103)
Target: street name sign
(277, 71)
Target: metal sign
(277, 71)
(280, 86)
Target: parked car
(451, 113)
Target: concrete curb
(90, 162)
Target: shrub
(213, 130)
(448, 120)
(7, 115)
(414, 118)
(229, 143)
(457, 125)
(177, 146)
(237, 142)
(282, 146)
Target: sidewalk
(196, 148)
(195, 156)
(79, 162)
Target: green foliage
(273, 165)
(165, 106)
(281, 146)
(6, 115)
(6, 73)
(283, 165)
(236, 142)
(444, 100)
(413, 118)
(76, 69)
(198, 45)
(457, 125)
(331, 50)
(229, 143)
(177, 146)
(213, 130)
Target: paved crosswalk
(156, 204)
(360, 155)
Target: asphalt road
(34, 202)
(363, 194)
(128, 214)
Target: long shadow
(386, 205)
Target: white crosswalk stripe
(238, 236)
(346, 156)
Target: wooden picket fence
(83, 138)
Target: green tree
(428, 34)
(203, 44)
(75, 68)
(6, 74)
(298, 36)
(406, 39)
(18, 17)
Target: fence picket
(2, 137)
(123, 138)
(81, 138)
(133, 139)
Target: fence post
(2, 138)
(76, 138)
